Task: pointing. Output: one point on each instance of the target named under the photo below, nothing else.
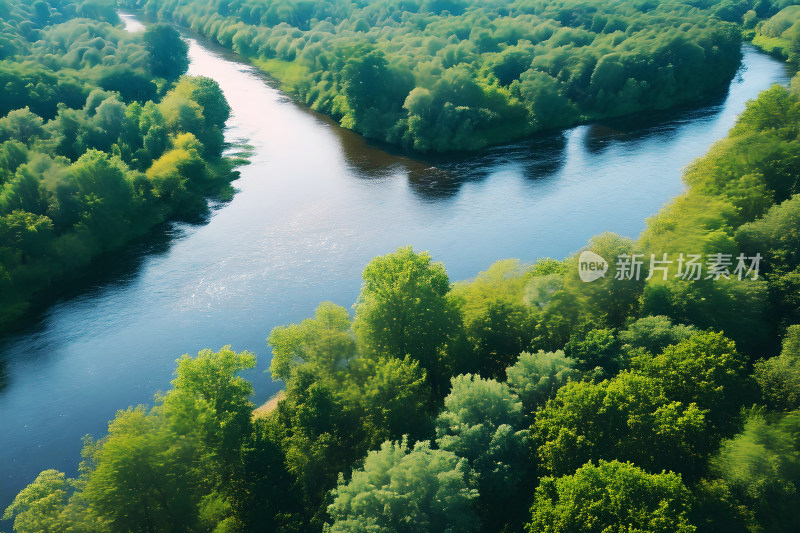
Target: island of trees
(101, 139)
(521, 400)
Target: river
(313, 207)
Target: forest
(101, 139)
(444, 75)
(522, 400)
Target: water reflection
(438, 177)
(664, 125)
(111, 271)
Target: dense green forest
(440, 75)
(101, 138)
(524, 399)
(779, 34)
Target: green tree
(653, 333)
(178, 174)
(323, 344)
(174, 467)
(207, 93)
(145, 476)
(760, 468)
(39, 506)
(167, 51)
(21, 125)
(208, 384)
(775, 236)
(498, 321)
(779, 377)
(627, 418)
(597, 348)
(374, 92)
(600, 498)
(322, 434)
(402, 491)
(704, 369)
(545, 99)
(403, 310)
(604, 303)
(536, 377)
(396, 399)
(480, 422)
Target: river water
(315, 204)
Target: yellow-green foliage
(290, 74)
(772, 45)
(736, 181)
(776, 35)
(781, 22)
(504, 281)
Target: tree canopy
(463, 74)
(97, 143)
(599, 498)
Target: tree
(21, 125)
(626, 418)
(779, 377)
(498, 322)
(210, 381)
(403, 310)
(653, 333)
(178, 174)
(736, 308)
(174, 467)
(704, 369)
(776, 234)
(480, 422)
(105, 192)
(535, 378)
(198, 105)
(405, 491)
(605, 303)
(132, 85)
(39, 506)
(208, 94)
(597, 348)
(374, 92)
(600, 498)
(395, 397)
(146, 477)
(775, 109)
(323, 344)
(322, 434)
(29, 234)
(760, 468)
(168, 52)
(544, 97)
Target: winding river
(315, 204)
